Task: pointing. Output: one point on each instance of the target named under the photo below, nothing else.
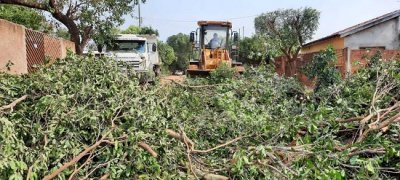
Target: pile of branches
(84, 118)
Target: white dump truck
(139, 52)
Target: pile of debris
(82, 118)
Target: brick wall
(282, 66)
(358, 59)
(12, 48)
(23, 49)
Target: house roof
(359, 27)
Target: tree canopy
(182, 48)
(288, 29)
(83, 18)
(140, 30)
(252, 49)
(167, 53)
(29, 18)
(322, 68)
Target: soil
(168, 79)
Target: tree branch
(26, 3)
(146, 147)
(13, 104)
(378, 151)
(77, 158)
(219, 146)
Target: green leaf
(370, 167)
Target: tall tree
(167, 54)
(149, 30)
(131, 30)
(252, 50)
(288, 29)
(82, 18)
(182, 48)
(140, 30)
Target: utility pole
(243, 32)
(140, 17)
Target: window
(215, 36)
(134, 46)
(373, 48)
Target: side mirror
(154, 47)
(100, 48)
(192, 37)
(235, 37)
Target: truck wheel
(157, 70)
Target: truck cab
(139, 52)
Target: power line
(170, 20)
(191, 21)
(244, 17)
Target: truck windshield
(215, 36)
(135, 46)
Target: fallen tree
(84, 119)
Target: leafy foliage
(222, 73)
(62, 33)
(322, 68)
(288, 29)
(105, 37)
(83, 18)
(140, 30)
(182, 48)
(284, 133)
(253, 50)
(167, 55)
(31, 19)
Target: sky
(171, 17)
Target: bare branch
(219, 146)
(77, 158)
(378, 151)
(147, 148)
(14, 103)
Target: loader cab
(213, 37)
(212, 31)
(212, 46)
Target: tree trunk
(292, 67)
(79, 49)
(76, 39)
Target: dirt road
(168, 79)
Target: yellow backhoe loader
(213, 44)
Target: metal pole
(140, 17)
(243, 32)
